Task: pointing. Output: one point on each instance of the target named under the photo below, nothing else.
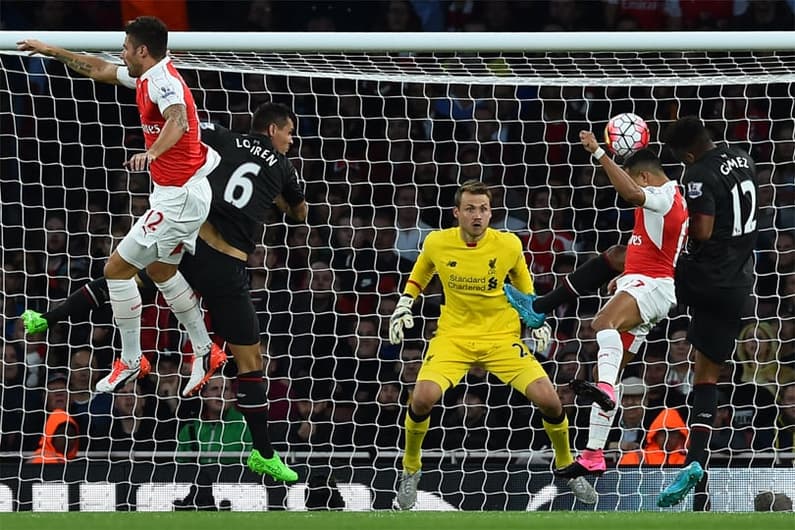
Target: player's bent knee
(550, 409)
(424, 397)
(247, 357)
(543, 395)
(601, 322)
(116, 268)
(161, 272)
(421, 406)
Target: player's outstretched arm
(93, 67)
(621, 181)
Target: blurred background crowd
(406, 15)
(381, 161)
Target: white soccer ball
(626, 133)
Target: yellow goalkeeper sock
(415, 434)
(559, 436)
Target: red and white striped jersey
(659, 233)
(157, 89)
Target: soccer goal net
(387, 130)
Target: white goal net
(383, 141)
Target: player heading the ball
(179, 163)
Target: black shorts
(223, 283)
(715, 319)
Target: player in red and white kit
(179, 163)
(644, 293)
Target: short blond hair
(474, 187)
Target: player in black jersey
(714, 277)
(254, 174)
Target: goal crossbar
(428, 42)
(508, 59)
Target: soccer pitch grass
(395, 520)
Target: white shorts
(171, 225)
(654, 296)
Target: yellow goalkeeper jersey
(472, 276)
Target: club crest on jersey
(493, 266)
(695, 189)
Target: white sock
(609, 356)
(601, 423)
(125, 300)
(184, 304)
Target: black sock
(701, 500)
(416, 417)
(80, 303)
(252, 401)
(581, 281)
(554, 421)
(702, 416)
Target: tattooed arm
(176, 125)
(93, 67)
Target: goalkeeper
(477, 327)
(253, 175)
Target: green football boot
(34, 322)
(272, 466)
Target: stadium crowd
(407, 15)
(381, 161)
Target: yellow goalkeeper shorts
(448, 359)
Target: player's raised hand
(401, 318)
(139, 161)
(33, 46)
(588, 141)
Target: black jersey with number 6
(250, 175)
(722, 183)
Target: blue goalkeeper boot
(685, 481)
(523, 303)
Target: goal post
(388, 126)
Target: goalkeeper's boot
(685, 481)
(34, 321)
(602, 394)
(582, 490)
(590, 462)
(407, 491)
(272, 466)
(523, 303)
(122, 373)
(203, 369)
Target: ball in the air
(626, 133)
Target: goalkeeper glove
(401, 318)
(541, 337)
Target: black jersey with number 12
(250, 175)
(722, 183)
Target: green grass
(396, 521)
